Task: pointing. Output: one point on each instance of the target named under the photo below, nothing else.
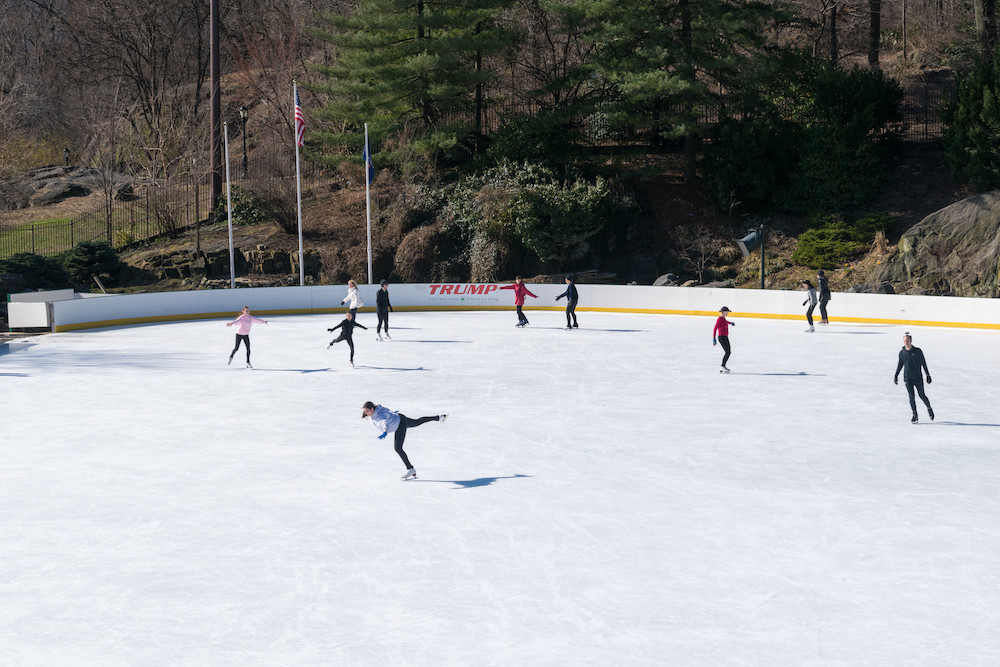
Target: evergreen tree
(669, 60)
(413, 70)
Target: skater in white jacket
(386, 421)
(353, 298)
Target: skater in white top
(353, 298)
(244, 321)
(387, 421)
(811, 300)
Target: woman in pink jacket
(244, 321)
(520, 289)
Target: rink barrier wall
(112, 310)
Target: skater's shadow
(294, 370)
(390, 368)
(470, 483)
(396, 340)
(963, 424)
(794, 375)
(14, 375)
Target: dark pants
(383, 318)
(245, 338)
(809, 313)
(822, 308)
(350, 342)
(520, 316)
(724, 342)
(917, 385)
(405, 423)
(571, 312)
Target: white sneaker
(441, 418)
(410, 474)
(811, 329)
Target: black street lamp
(243, 121)
(748, 243)
(66, 156)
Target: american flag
(300, 121)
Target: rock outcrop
(953, 251)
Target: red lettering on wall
(446, 289)
(434, 288)
(476, 289)
(491, 288)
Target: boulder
(58, 191)
(666, 280)
(954, 250)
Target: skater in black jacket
(824, 295)
(911, 360)
(382, 308)
(572, 297)
(347, 333)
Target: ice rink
(596, 497)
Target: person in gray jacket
(388, 421)
(911, 361)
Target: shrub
(38, 272)
(835, 240)
(92, 258)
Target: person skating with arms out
(720, 334)
(353, 298)
(347, 333)
(811, 302)
(244, 322)
(520, 290)
(386, 421)
(911, 361)
(572, 297)
(382, 308)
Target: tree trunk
(833, 33)
(690, 139)
(874, 32)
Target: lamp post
(66, 156)
(748, 243)
(243, 121)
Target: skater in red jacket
(520, 289)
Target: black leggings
(245, 338)
(822, 308)
(404, 423)
(809, 313)
(520, 316)
(724, 342)
(917, 385)
(571, 312)
(383, 318)
(350, 342)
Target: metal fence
(154, 210)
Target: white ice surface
(596, 497)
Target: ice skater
(720, 334)
(244, 321)
(382, 308)
(387, 421)
(572, 297)
(520, 289)
(346, 333)
(911, 360)
(824, 295)
(353, 298)
(811, 301)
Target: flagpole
(229, 207)
(298, 190)
(368, 202)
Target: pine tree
(413, 70)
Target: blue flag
(367, 156)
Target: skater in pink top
(520, 290)
(244, 321)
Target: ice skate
(811, 329)
(576, 326)
(930, 412)
(519, 324)
(379, 339)
(441, 418)
(387, 336)
(410, 474)
(230, 360)
(248, 365)
(914, 419)
(723, 370)
(352, 364)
